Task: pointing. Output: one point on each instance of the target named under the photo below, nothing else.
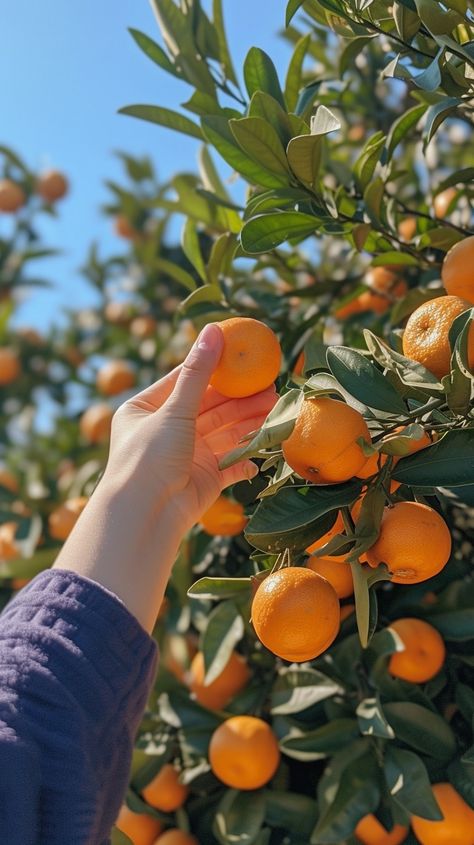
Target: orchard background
(322, 200)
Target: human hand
(167, 440)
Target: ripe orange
(456, 272)
(118, 313)
(295, 613)
(165, 792)
(52, 186)
(337, 572)
(10, 366)
(423, 654)
(352, 307)
(216, 695)
(426, 336)
(8, 480)
(144, 326)
(371, 466)
(244, 752)
(407, 228)
(8, 548)
(12, 196)
(114, 378)
(96, 423)
(442, 202)
(385, 286)
(370, 831)
(322, 446)
(224, 518)
(414, 542)
(346, 611)
(251, 359)
(356, 132)
(63, 519)
(124, 229)
(338, 528)
(174, 836)
(457, 826)
(141, 828)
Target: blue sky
(66, 68)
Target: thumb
(197, 370)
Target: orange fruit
(165, 792)
(8, 480)
(370, 831)
(414, 542)
(63, 519)
(299, 364)
(295, 613)
(10, 366)
(456, 272)
(52, 186)
(457, 826)
(114, 378)
(118, 313)
(216, 695)
(442, 202)
(338, 528)
(426, 336)
(244, 752)
(337, 572)
(8, 548)
(349, 308)
(356, 132)
(224, 518)
(251, 358)
(124, 229)
(144, 326)
(322, 446)
(12, 196)
(423, 653)
(346, 611)
(385, 286)
(175, 836)
(372, 465)
(407, 228)
(96, 423)
(139, 827)
(19, 583)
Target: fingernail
(210, 337)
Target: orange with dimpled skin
(244, 752)
(423, 651)
(457, 826)
(250, 360)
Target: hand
(167, 440)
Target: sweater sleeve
(76, 669)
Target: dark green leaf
(224, 629)
(239, 817)
(351, 51)
(421, 729)
(355, 794)
(291, 10)
(291, 811)
(296, 690)
(155, 52)
(372, 719)
(259, 141)
(220, 588)
(260, 75)
(164, 117)
(456, 624)
(436, 114)
(448, 463)
(266, 231)
(409, 784)
(362, 380)
(430, 78)
(294, 73)
(217, 132)
(366, 163)
(402, 126)
(304, 156)
(321, 742)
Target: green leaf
(401, 127)
(351, 51)
(224, 53)
(218, 133)
(164, 117)
(324, 121)
(372, 719)
(430, 78)
(224, 629)
(304, 156)
(291, 811)
(294, 74)
(266, 231)
(239, 817)
(409, 785)
(363, 380)
(154, 52)
(448, 463)
(260, 75)
(268, 109)
(421, 729)
(353, 794)
(176, 272)
(373, 198)
(220, 588)
(291, 10)
(402, 259)
(406, 21)
(296, 690)
(436, 114)
(437, 20)
(259, 140)
(192, 248)
(297, 516)
(119, 838)
(456, 625)
(366, 163)
(307, 96)
(321, 742)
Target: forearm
(126, 543)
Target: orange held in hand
(216, 695)
(338, 573)
(139, 827)
(250, 361)
(174, 836)
(224, 518)
(12, 196)
(96, 423)
(426, 336)
(63, 519)
(115, 377)
(296, 614)
(457, 826)
(10, 366)
(457, 270)
(165, 792)
(423, 651)
(323, 445)
(244, 752)
(414, 542)
(52, 186)
(370, 831)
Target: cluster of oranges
(51, 186)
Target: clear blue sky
(65, 69)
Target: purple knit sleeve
(76, 669)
